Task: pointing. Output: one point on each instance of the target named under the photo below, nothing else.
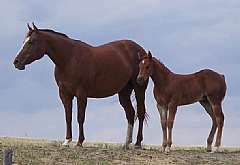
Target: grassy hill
(29, 151)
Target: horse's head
(145, 67)
(33, 48)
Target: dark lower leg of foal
(208, 108)
(217, 110)
(125, 101)
(141, 112)
(171, 116)
(163, 115)
(81, 103)
(67, 102)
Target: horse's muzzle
(18, 64)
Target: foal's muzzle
(140, 80)
(18, 64)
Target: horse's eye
(147, 67)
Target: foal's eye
(147, 67)
(30, 42)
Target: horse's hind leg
(217, 111)
(208, 108)
(125, 101)
(141, 110)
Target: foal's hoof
(209, 148)
(162, 149)
(66, 142)
(217, 150)
(167, 150)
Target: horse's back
(126, 51)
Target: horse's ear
(35, 27)
(29, 28)
(149, 54)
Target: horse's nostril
(15, 61)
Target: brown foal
(85, 71)
(171, 90)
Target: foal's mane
(52, 31)
(159, 62)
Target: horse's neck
(161, 74)
(60, 49)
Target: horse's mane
(52, 31)
(61, 34)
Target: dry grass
(29, 151)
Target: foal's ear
(149, 55)
(140, 55)
(29, 28)
(35, 27)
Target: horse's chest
(67, 83)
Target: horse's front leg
(67, 102)
(81, 103)
(171, 116)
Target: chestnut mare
(172, 90)
(84, 71)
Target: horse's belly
(108, 84)
(107, 89)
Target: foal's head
(145, 67)
(33, 48)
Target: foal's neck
(161, 73)
(60, 48)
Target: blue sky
(185, 35)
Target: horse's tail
(134, 102)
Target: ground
(29, 151)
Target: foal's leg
(217, 110)
(172, 112)
(67, 102)
(163, 115)
(81, 103)
(125, 101)
(208, 108)
(141, 112)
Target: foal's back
(212, 83)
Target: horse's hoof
(79, 145)
(138, 146)
(126, 146)
(66, 142)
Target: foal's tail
(134, 102)
(224, 88)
